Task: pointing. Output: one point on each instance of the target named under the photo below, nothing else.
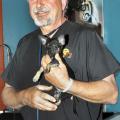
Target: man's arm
(101, 91)
(11, 98)
(34, 97)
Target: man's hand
(58, 76)
(34, 97)
(37, 98)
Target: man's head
(46, 12)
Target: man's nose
(40, 2)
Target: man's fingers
(39, 106)
(57, 56)
(44, 107)
(47, 97)
(46, 103)
(44, 88)
(45, 61)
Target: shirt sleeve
(9, 74)
(101, 62)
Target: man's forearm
(12, 98)
(97, 92)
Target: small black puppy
(52, 47)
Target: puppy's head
(52, 45)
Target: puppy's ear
(61, 39)
(43, 39)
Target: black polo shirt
(90, 61)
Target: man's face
(46, 12)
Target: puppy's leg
(38, 74)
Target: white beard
(42, 22)
(37, 22)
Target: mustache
(40, 9)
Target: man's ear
(64, 3)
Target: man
(86, 77)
